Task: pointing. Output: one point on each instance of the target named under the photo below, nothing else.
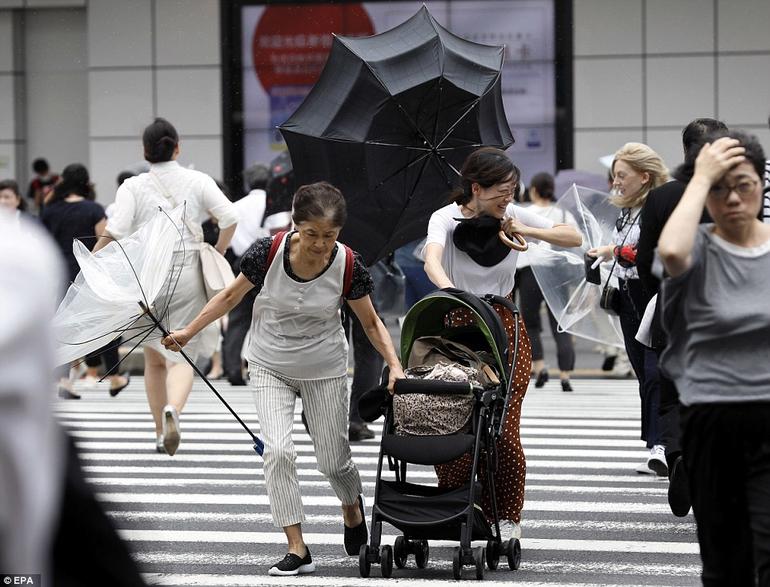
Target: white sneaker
(171, 433)
(509, 529)
(657, 460)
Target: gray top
(717, 317)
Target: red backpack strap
(277, 240)
(347, 280)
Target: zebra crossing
(202, 517)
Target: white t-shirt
(251, 210)
(138, 198)
(463, 271)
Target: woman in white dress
(167, 377)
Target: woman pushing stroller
(298, 347)
(463, 251)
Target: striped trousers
(325, 402)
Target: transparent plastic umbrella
(561, 272)
(115, 292)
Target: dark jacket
(657, 208)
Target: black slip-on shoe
(566, 385)
(542, 378)
(116, 390)
(292, 564)
(358, 432)
(678, 490)
(356, 537)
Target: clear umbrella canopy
(561, 273)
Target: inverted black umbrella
(391, 120)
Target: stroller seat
(427, 450)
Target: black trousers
(643, 360)
(238, 324)
(726, 450)
(367, 363)
(531, 300)
(107, 356)
(668, 417)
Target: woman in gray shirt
(717, 316)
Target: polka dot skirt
(511, 463)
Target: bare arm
(561, 235)
(678, 237)
(225, 236)
(217, 307)
(105, 238)
(378, 335)
(433, 267)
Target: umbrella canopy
(391, 120)
(103, 301)
(561, 272)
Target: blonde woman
(636, 169)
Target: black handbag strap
(623, 242)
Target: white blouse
(138, 198)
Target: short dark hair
(754, 153)
(486, 167)
(543, 183)
(319, 200)
(697, 129)
(9, 184)
(159, 139)
(74, 180)
(257, 176)
(123, 176)
(40, 165)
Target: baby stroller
(427, 512)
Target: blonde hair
(641, 159)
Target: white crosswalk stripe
(202, 517)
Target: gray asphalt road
(202, 517)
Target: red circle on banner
(291, 43)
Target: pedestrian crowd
(688, 261)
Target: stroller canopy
(427, 318)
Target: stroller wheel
(479, 558)
(457, 563)
(364, 566)
(513, 553)
(400, 552)
(386, 561)
(421, 556)
(493, 554)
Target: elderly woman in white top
(297, 346)
(168, 379)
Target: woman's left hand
(512, 225)
(395, 373)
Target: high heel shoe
(542, 378)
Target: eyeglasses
(743, 188)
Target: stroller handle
(432, 387)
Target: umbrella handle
(517, 245)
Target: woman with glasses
(636, 169)
(455, 256)
(717, 318)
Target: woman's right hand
(717, 158)
(176, 340)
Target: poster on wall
(284, 48)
